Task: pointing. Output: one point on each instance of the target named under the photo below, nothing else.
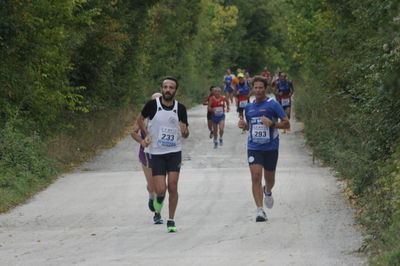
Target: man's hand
(266, 121)
(242, 124)
(146, 141)
(184, 130)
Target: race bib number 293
(260, 133)
(242, 104)
(285, 102)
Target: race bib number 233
(167, 137)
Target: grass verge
(29, 165)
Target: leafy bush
(350, 100)
(24, 168)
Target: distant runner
(284, 91)
(228, 86)
(242, 93)
(247, 76)
(216, 106)
(205, 102)
(266, 74)
(263, 143)
(167, 124)
(235, 80)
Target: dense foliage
(67, 66)
(349, 56)
(68, 63)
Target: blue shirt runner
(260, 137)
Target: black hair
(212, 87)
(170, 78)
(259, 79)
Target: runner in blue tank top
(228, 86)
(263, 142)
(283, 92)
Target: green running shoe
(157, 206)
(171, 226)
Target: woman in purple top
(145, 160)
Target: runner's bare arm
(142, 125)
(283, 124)
(184, 130)
(227, 104)
(235, 91)
(242, 124)
(136, 136)
(291, 89)
(205, 100)
(275, 89)
(135, 133)
(210, 109)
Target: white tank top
(164, 130)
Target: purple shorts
(145, 158)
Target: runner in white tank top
(167, 124)
(164, 130)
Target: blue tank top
(228, 80)
(285, 88)
(244, 88)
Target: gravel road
(98, 214)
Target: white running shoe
(268, 199)
(261, 216)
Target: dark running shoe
(157, 218)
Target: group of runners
(163, 122)
(238, 91)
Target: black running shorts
(164, 163)
(268, 159)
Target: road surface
(98, 214)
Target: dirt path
(98, 215)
